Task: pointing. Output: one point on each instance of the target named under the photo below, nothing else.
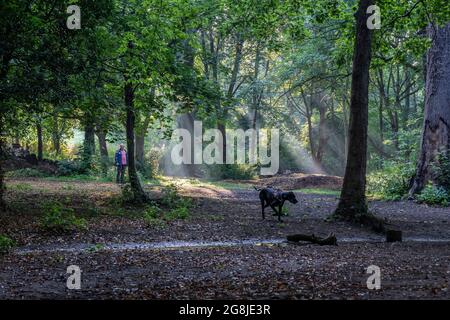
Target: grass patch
(320, 191)
(6, 244)
(21, 187)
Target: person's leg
(122, 173)
(118, 174)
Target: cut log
(393, 236)
(330, 240)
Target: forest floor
(223, 249)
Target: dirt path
(223, 250)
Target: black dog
(272, 197)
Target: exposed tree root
(365, 219)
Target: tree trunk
(138, 191)
(103, 146)
(352, 202)
(308, 112)
(89, 142)
(322, 134)
(40, 146)
(230, 93)
(56, 139)
(436, 126)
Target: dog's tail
(257, 189)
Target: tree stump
(393, 236)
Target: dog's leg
(280, 207)
(274, 209)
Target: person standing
(121, 162)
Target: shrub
(171, 197)
(59, 218)
(150, 168)
(233, 171)
(6, 244)
(434, 195)
(152, 217)
(70, 168)
(391, 183)
(181, 212)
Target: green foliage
(152, 217)
(26, 173)
(233, 171)
(59, 218)
(441, 170)
(434, 195)
(127, 195)
(150, 168)
(71, 167)
(171, 207)
(22, 187)
(391, 183)
(6, 244)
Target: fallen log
(330, 240)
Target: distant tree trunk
(56, 139)
(308, 114)
(352, 203)
(436, 126)
(89, 142)
(138, 191)
(40, 146)
(103, 146)
(322, 134)
(230, 94)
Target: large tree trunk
(138, 191)
(89, 143)
(40, 146)
(436, 126)
(352, 202)
(103, 146)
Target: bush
(171, 202)
(26, 173)
(59, 218)
(152, 217)
(391, 183)
(70, 168)
(6, 244)
(434, 195)
(150, 168)
(233, 171)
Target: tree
(353, 203)
(436, 124)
